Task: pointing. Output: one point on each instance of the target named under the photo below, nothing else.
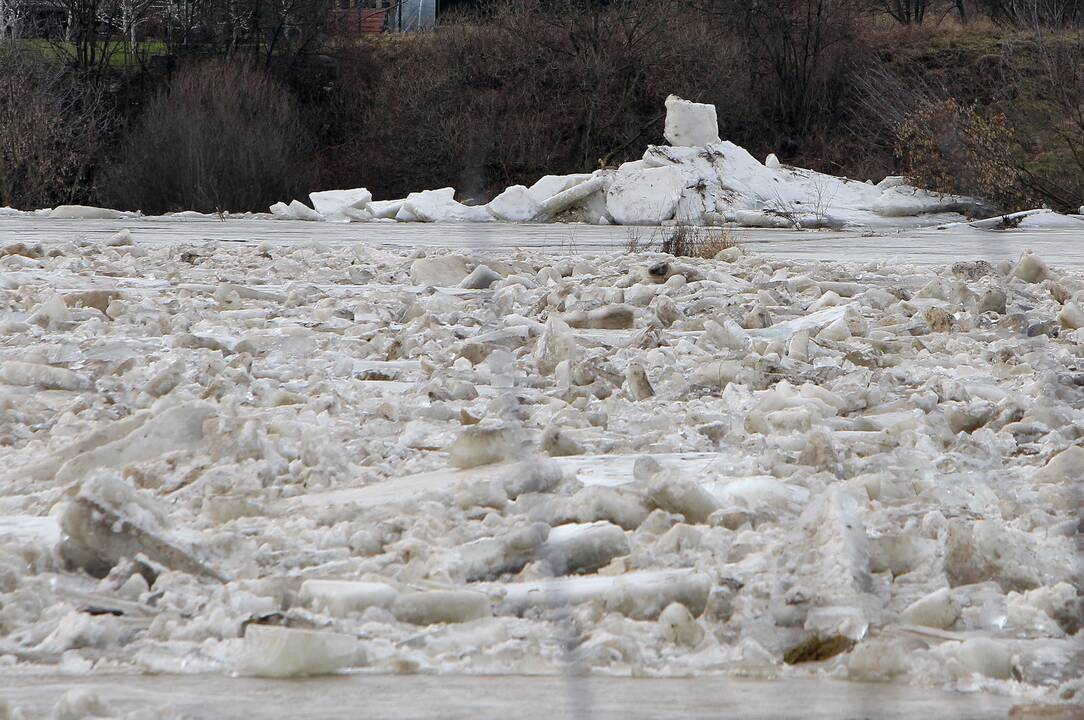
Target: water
(423, 697)
(1059, 247)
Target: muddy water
(399, 697)
(1062, 247)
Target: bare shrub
(797, 52)
(953, 148)
(1030, 12)
(51, 131)
(641, 239)
(906, 12)
(681, 241)
(1053, 167)
(221, 137)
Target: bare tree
(223, 136)
(1059, 94)
(129, 16)
(91, 39)
(906, 12)
(792, 41)
(51, 132)
(1056, 13)
(13, 16)
(607, 48)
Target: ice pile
(294, 459)
(695, 180)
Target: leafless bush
(222, 137)
(906, 12)
(51, 131)
(1055, 13)
(797, 51)
(1057, 174)
(681, 241)
(1008, 126)
(953, 148)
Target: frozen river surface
(1063, 247)
(418, 697)
(462, 696)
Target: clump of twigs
(681, 240)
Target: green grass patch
(118, 55)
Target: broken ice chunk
(645, 197)
(441, 606)
(46, 377)
(272, 651)
(302, 211)
(1065, 467)
(1030, 268)
(515, 204)
(689, 123)
(488, 558)
(678, 495)
(611, 317)
(576, 548)
(480, 278)
(339, 598)
(483, 444)
(333, 204)
(109, 520)
(177, 428)
(679, 626)
(984, 656)
(937, 610)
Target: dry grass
(681, 241)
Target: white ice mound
(690, 124)
(335, 204)
(515, 204)
(84, 212)
(439, 206)
(645, 197)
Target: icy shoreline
(698, 464)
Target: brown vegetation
(52, 129)
(681, 240)
(220, 137)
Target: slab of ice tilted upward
(333, 204)
(690, 123)
(812, 322)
